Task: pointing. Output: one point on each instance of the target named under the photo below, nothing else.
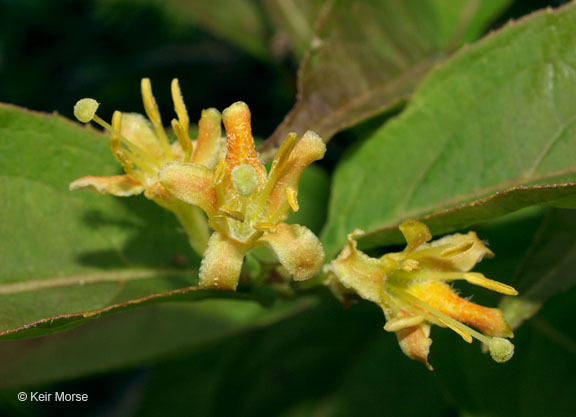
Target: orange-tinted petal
(240, 143)
(440, 296)
(297, 249)
(191, 183)
(209, 144)
(286, 173)
(118, 185)
(415, 342)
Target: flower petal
(118, 185)
(191, 183)
(415, 342)
(457, 252)
(415, 233)
(297, 249)
(442, 297)
(222, 263)
(357, 271)
(240, 143)
(210, 144)
(138, 130)
(286, 173)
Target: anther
(232, 214)
(179, 106)
(291, 196)
(151, 108)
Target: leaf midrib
(91, 278)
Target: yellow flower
(411, 288)
(142, 147)
(246, 206)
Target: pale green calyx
(501, 349)
(244, 179)
(85, 109)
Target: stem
(195, 224)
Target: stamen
(281, 157)
(420, 312)
(151, 108)
(410, 265)
(467, 338)
(117, 151)
(408, 274)
(136, 155)
(183, 139)
(477, 278)
(233, 214)
(220, 172)
(426, 311)
(291, 196)
(114, 132)
(179, 106)
(218, 181)
(457, 250)
(396, 324)
(265, 227)
(435, 316)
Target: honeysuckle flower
(246, 206)
(142, 147)
(412, 289)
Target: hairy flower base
(411, 288)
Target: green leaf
(132, 339)
(240, 22)
(294, 22)
(498, 117)
(547, 269)
(368, 56)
